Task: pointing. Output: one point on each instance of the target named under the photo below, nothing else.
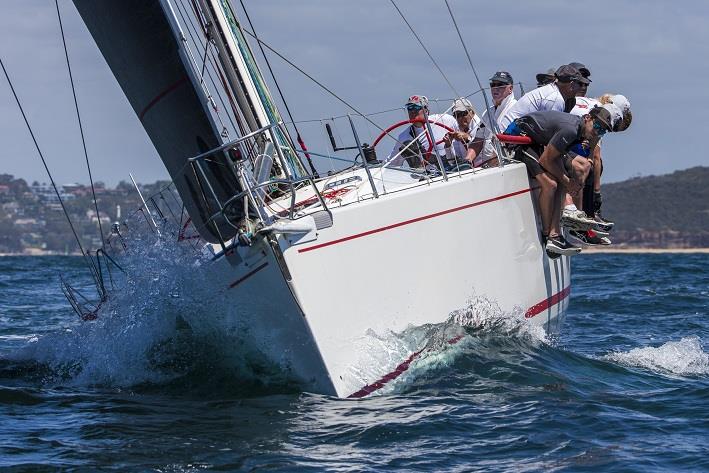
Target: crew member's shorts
(529, 155)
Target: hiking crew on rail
(564, 157)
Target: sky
(651, 51)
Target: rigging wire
(470, 61)
(278, 88)
(81, 127)
(89, 263)
(425, 49)
(193, 31)
(195, 65)
(320, 84)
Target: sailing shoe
(558, 244)
(576, 220)
(590, 238)
(599, 233)
(553, 255)
(602, 224)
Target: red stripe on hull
(534, 310)
(413, 220)
(547, 303)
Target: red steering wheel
(407, 122)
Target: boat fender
(298, 231)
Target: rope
(81, 127)
(425, 49)
(278, 87)
(51, 179)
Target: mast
(245, 77)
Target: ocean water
(624, 387)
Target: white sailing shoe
(577, 220)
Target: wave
(684, 357)
(155, 332)
(430, 348)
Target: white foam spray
(433, 347)
(683, 357)
(155, 327)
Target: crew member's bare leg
(547, 200)
(559, 199)
(580, 168)
(597, 168)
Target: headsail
(147, 52)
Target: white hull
(410, 257)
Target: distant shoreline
(644, 250)
(585, 251)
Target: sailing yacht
(309, 264)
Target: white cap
(462, 105)
(621, 102)
(616, 113)
(420, 100)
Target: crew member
(558, 133)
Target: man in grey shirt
(558, 138)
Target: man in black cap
(586, 74)
(503, 98)
(558, 133)
(544, 78)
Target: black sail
(139, 45)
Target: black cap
(568, 73)
(502, 76)
(603, 116)
(581, 68)
(547, 77)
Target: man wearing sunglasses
(459, 143)
(554, 134)
(573, 217)
(413, 141)
(503, 99)
(559, 95)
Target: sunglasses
(498, 84)
(600, 129)
(460, 114)
(414, 108)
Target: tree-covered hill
(668, 211)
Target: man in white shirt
(483, 151)
(405, 150)
(558, 95)
(459, 141)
